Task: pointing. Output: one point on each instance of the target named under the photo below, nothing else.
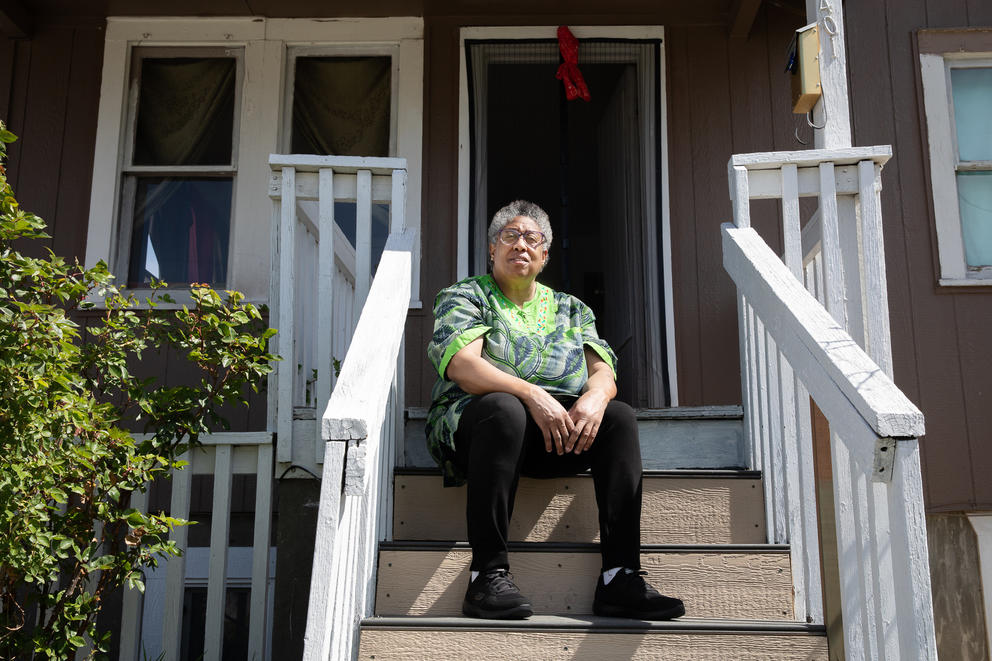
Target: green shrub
(67, 533)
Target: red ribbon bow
(568, 71)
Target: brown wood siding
(49, 95)
(720, 95)
(940, 335)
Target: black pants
(498, 441)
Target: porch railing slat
(776, 463)
(325, 303)
(878, 342)
(260, 553)
(833, 266)
(287, 307)
(130, 641)
(176, 567)
(363, 239)
(220, 523)
(791, 230)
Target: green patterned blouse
(541, 342)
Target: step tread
(431, 580)
(727, 473)
(728, 412)
(698, 507)
(593, 623)
(582, 547)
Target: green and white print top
(541, 342)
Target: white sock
(609, 574)
(475, 575)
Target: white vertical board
(130, 643)
(260, 554)
(791, 230)
(878, 343)
(325, 303)
(776, 452)
(176, 567)
(363, 240)
(220, 524)
(743, 348)
(833, 268)
(739, 195)
(287, 308)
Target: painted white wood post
(133, 600)
(832, 110)
(260, 553)
(220, 525)
(176, 567)
(363, 240)
(286, 339)
(326, 270)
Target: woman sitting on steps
(526, 387)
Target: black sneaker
(629, 595)
(493, 595)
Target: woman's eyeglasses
(531, 238)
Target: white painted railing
(832, 345)
(360, 426)
(151, 623)
(319, 279)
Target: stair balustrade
(814, 326)
(359, 432)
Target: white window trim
(265, 43)
(937, 102)
(465, 156)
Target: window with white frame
(957, 90)
(191, 109)
(180, 165)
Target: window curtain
(341, 106)
(185, 111)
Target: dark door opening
(582, 162)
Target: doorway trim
(651, 285)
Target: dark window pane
(236, 613)
(181, 229)
(185, 111)
(341, 106)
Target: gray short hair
(520, 208)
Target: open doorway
(595, 168)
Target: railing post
(833, 265)
(326, 268)
(363, 240)
(182, 482)
(878, 338)
(286, 339)
(220, 524)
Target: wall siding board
(872, 125)
(974, 319)
(684, 269)
(17, 108)
(928, 360)
(44, 128)
(979, 12)
(946, 13)
(710, 98)
(8, 47)
(83, 95)
(750, 89)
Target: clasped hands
(567, 430)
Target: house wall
(720, 98)
(940, 335)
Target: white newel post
(832, 111)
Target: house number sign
(827, 17)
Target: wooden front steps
(703, 535)
(594, 638)
(679, 507)
(732, 582)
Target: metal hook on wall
(809, 118)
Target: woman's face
(518, 262)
